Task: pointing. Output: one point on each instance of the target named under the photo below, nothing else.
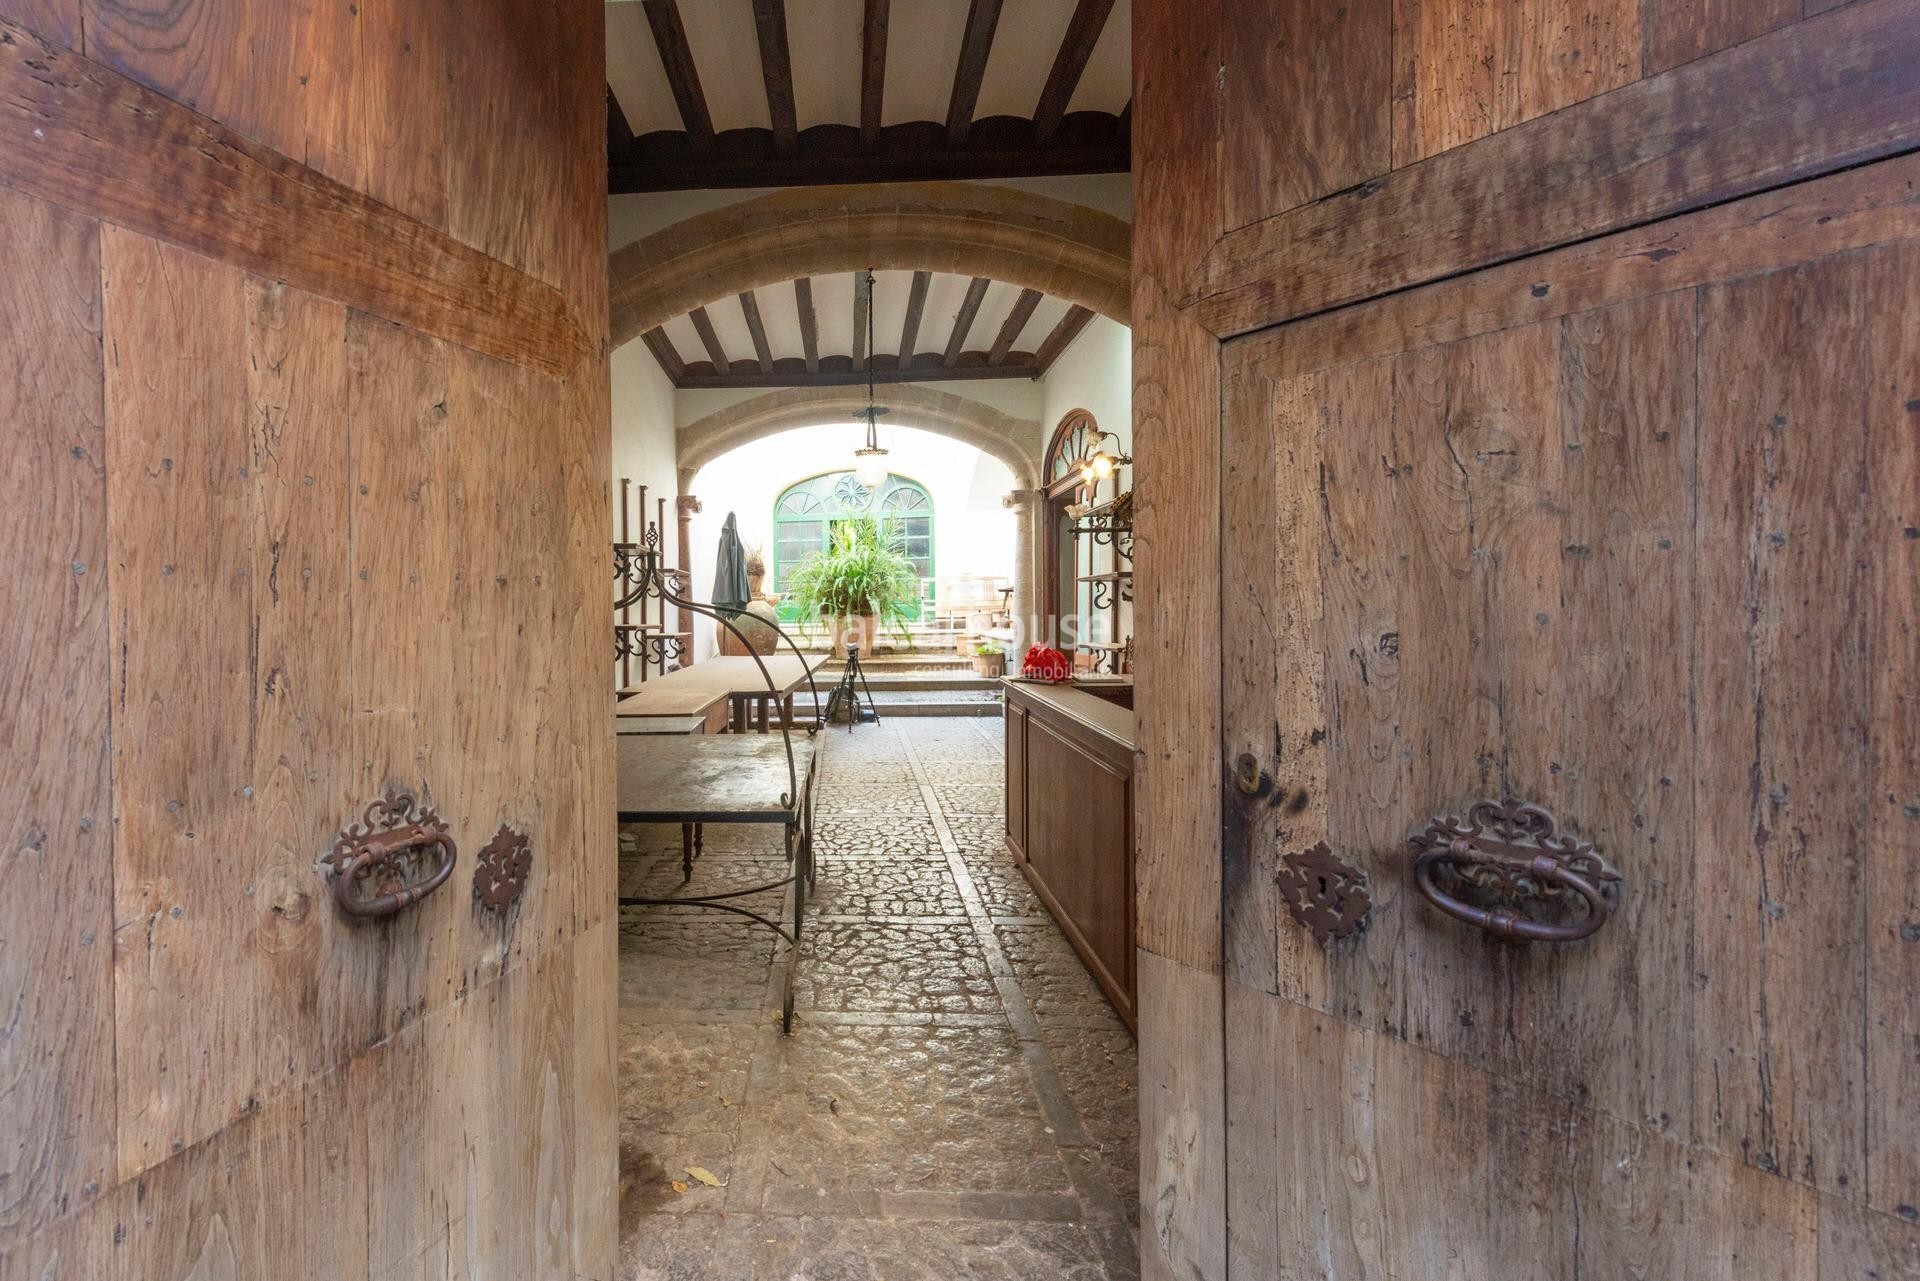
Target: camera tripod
(846, 695)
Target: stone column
(684, 507)
(1027, 506)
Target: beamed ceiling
(763, 93)
(927, 327)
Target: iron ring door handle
(386, 847)
(1504, 923)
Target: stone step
(912, 682)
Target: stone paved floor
(957, 1099)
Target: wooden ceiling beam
(809, 324)
(916, 303)
(703, 325)
(750, 308)
(963, 320)
(670, 36)
(873, 73)
(1069, 63)
(663, 351)
(1016, 321)
(619, 132)
(842, 371)
(776, 68)
(860, 301)
(982, 17)
(1063, 334)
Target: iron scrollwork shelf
(1106, 588)
(1109, 660)
(648, 644)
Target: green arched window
(804, 513)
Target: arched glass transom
(804, 514)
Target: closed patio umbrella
(730, 593)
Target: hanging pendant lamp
(870, 460)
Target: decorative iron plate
(1326, 895)
(500, 873)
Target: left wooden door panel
(272, 554)
(56, 818)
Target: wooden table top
(692, 691)
(721, 778)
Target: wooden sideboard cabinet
(1070, 818)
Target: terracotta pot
(755, 582)
(989, 664)
(860, 629)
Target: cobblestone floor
(957, 1101)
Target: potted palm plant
(858, 584)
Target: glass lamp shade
(870, 467)
(1102, 465)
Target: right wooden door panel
(1631, 531)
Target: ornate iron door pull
(1513, 854)
(389, 850)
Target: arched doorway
(806, 511)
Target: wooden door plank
(58, 22)
(314, 1013)
(1834, 91)
(180, 536)
(1469, 69)
(1891, 546)
(1272, 671)
(1620, 771)
(397, 410)
(1679, 31)
(93, 141)
(1311, 86)
(1782, 784)
(56, 975)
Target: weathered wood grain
(1834, 90)
(1183, 1122)
(1863, 207)
(1177, 806)
(400, 546)
(180, 542)
(1469, 68)
(1781, 800)
(1891, 546)
(56, 967)
(55, 21)
(313, 1011)
(1618, 742)
(1310, 84)
(1679, 31)
(79, 135)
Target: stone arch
(1014, 441)
(1028, 240)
